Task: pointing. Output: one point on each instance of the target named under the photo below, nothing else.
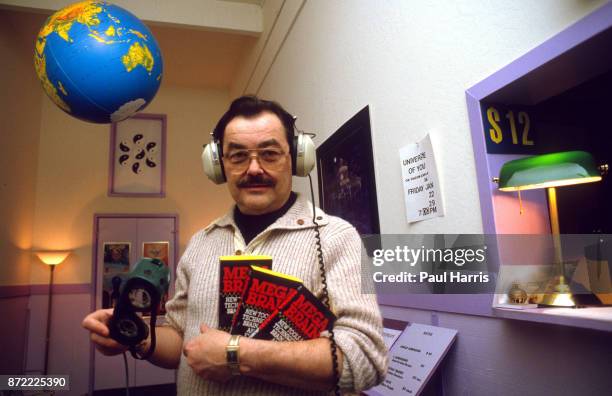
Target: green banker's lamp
(550, 171)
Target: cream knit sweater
(291, 243)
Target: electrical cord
(135, 353)
(325, 297)
(152, 323)
(127, 383)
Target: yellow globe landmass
(110, 31)
(96, 35)
(138, 55)
(140, 35)
(61, 88)
(114, 19)
(41, 69)
(85, 12)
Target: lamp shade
(51, 257)
(548, 170)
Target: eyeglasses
(268, 158)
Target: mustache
(255, 181)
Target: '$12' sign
(508, 131)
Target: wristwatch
(231, 353)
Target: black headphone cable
(325, 296)
(127, 383)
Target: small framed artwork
(158, 250)
(116, 267)
(137, 165)
(347, 185)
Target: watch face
(140, 298)
(232, 356)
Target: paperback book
(302, 316)
(264, 292)
(233, 277)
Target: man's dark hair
(250, 106)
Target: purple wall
(13, 334)
(69, 347)
(24, 310)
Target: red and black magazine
(265, 291)
(301, 317)
(233, 277)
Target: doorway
(120, 241)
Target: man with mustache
(269, 219)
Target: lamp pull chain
(520, 203)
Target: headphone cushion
(212, 164)
(304, 155)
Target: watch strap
(232, 349)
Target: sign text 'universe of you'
(420, 180)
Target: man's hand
(206, 354)
(97, 324)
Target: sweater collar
(299, 216)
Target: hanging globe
(98, 62)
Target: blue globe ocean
(98, 62)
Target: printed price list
(413, 359)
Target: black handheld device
(141, 293)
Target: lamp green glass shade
(548, 170)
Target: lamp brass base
(560, 297)
(571, 300)
(558, 300)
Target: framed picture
(116, 267)
(347, 186)
(158, 250)
(137, 165)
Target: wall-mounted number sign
(508, 130)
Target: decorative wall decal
(137, 156)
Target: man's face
(258, 186)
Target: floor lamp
(550, 171)
(52, 259)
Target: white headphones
(303, 157)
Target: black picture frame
(347, 183)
